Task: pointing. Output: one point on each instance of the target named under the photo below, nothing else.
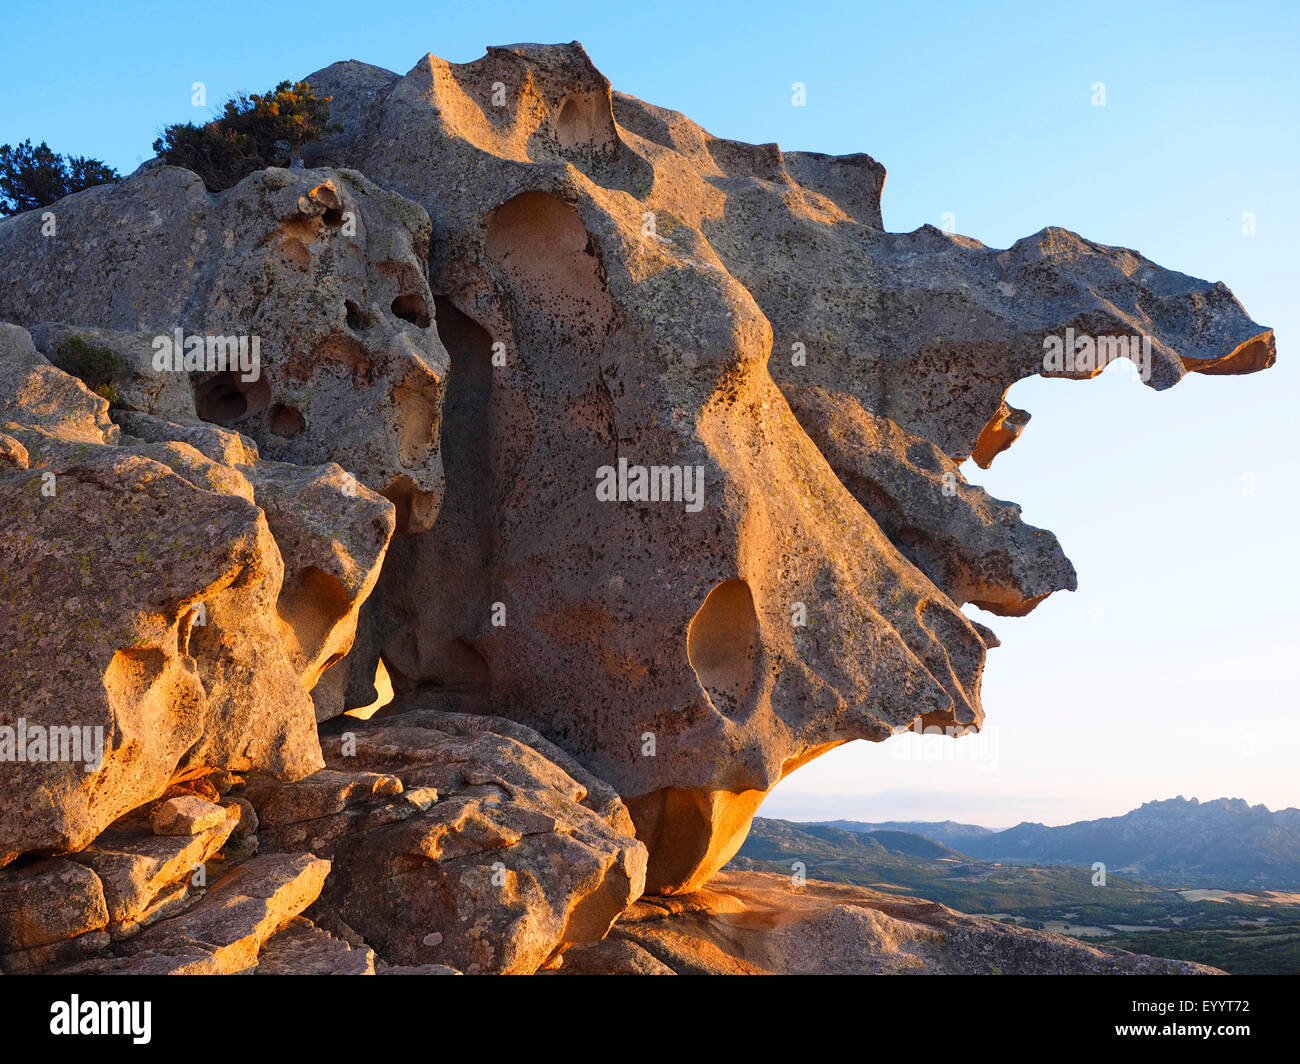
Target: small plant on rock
(95, 365)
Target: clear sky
(1172, 669)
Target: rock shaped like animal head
(690, 577)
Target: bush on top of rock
(253, 132)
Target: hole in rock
(312, 607)
(356, 317)
(419, 405)
(573, 128)
(555, 279)
(722, 644)
(286, 420)
(333, 217)
(383, 694)
(416, 508)
(25, 860)
(345, 349)
(225, 397)
(412, 308)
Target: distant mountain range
(1226, 842)
(947, 832)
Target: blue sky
(1170, 671)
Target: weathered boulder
(321, 272)
(50, 910)
(147, 630)
(240, 912)
(140, 871)
(322, 794)
(458, 840)
(224, 933)
(642, 552)
(331, 534)
(188, 815)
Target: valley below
(1241, 930)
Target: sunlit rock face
(703, 519)
(459, 839)
(167, 604)
(321, 272)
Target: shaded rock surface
(325, 269)
(302, 948)
(49, 902)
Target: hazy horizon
(798, 819)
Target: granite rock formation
(666, 433)
(615, 285)
(457, 839)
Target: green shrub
(252, 133)
(36, 177)
(96, 365)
